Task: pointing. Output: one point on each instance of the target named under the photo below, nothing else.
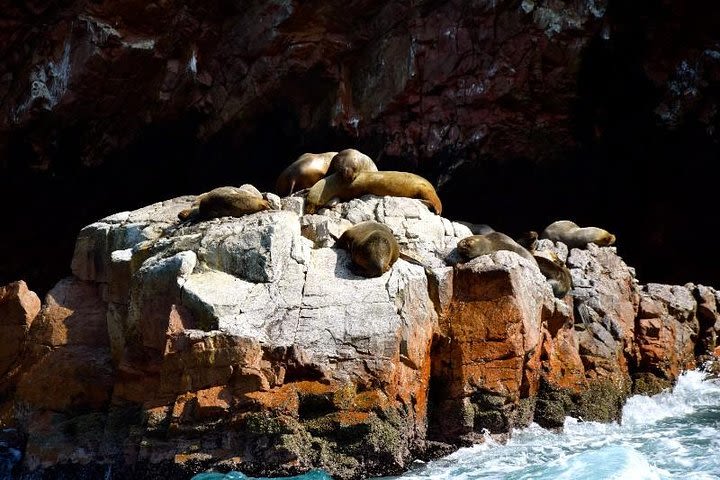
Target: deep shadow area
(652, 184)
(48, 205)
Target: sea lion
(573, 236)
(528, 240)
(303, 172)
(476, 245)
(332, 188)
(554, 271)
(224, 202)
(372, 246)
(349, 162)
(478, 228)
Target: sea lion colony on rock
(552, 268)
(372, 245)
(555, 272)
(476, 245)
(332, 189)
(351, 174)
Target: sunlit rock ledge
(249, 344)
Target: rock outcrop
(248, 343)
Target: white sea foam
(671, 436)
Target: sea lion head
(474, 246)
(606, 240)
(528, 240)
(373, 256)
(348, 163)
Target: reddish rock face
(487, 356)
(708, 317)
(18, 308)
(68, 341)
(467, 94)
(667, 318)
(423, 79)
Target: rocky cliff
(249, 344)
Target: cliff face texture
(421, 77)
(248, 343)
(407, 72)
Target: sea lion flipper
(431, 205)
(188, 214)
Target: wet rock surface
(248, 343)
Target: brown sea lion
(573, 236)
(303, 172)
(348, 163)
(372, 246)
(224, 202)
(555, 272)
(398, 184)
(476, 245)
(477, 228)
(528, 240)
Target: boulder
(249, 343)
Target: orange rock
(490, 344)
(73, 313)
(212, 402)
(193, 362)
(18, 305)
(18, 308)
(370, 400)
(667, 324)
(181, 319)
(284, 400)
(84, 373)
(73, 325)
(348, 419)
(562, 362)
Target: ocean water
(671, 436)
